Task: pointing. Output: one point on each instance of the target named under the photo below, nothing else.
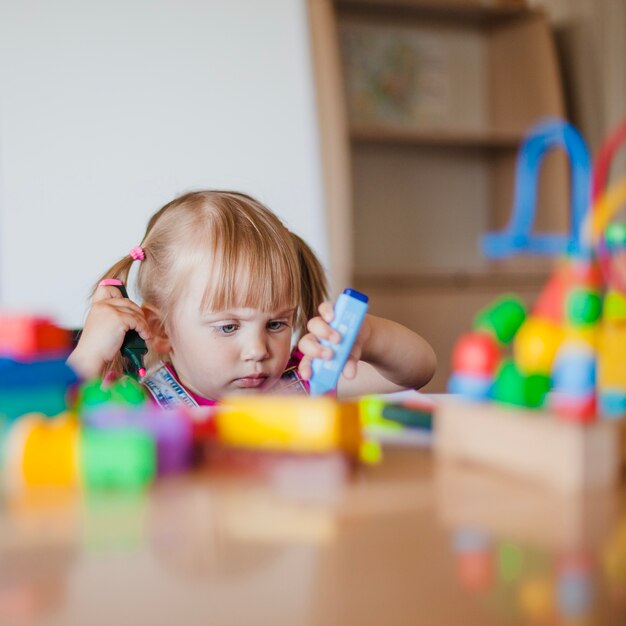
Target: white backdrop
(110, 109)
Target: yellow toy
(289, 424)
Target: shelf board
(461, 10)
(377, 134)
(505, 279)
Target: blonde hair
(250, 258)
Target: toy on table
(350, 310)
(564, 355)
(403, 419)
(33, 373)
(289, 424)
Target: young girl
(226, 291)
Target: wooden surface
(406, 542)
(533, 445)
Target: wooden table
(405, 542)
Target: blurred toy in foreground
(33, 373)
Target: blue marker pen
(350, 309)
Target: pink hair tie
(137, 253)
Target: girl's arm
(110, 317)
(386, 356)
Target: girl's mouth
(251, 382)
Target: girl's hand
(319, 328)
(110, 318)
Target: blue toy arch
(518, 236)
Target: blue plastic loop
(518, 236)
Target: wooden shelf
(362, 133)
(412, 201)
(460, 10)
(491, 278)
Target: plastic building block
(472, 386)
(612, 369)
(350, 310)
(614, 306)
(289, 423)
(170, 429)
(514, 387)
(125, 391)
(30, 373)
(502, 319)
(408, 417)
(574, 382)
(124, 458)
(518, 236)
(47, 400)
(615, 236)
(476, 353)
(536, 344)
(24, 337)
(584, 307)
(49, 454)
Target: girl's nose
(256, 348)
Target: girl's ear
(160, 340)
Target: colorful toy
(170, 430)
(567, 356)
(58, 452)
(518, 236)
(112, 458)
(27, 337)
(37, 385)
(289, 423)
(350, 310)
(123, 392)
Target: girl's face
(242, 350)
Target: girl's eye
(276, 325)
(226, 329)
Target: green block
(128, 391)
(125, 391)
(537, 387)
(510, 560)
(513, 387)
(371, 412)
(406, 416)
(614, 306)
(92, 394)
(615, 235)
(502, 319)
(117, 458)
(583, 307)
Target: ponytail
(313, 284)
(120, 271)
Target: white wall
(110, 109)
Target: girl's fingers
(106, 292)
(349, 371)
(350, 368)
(320, 328)
(313, 349)
(326, 311)
(305, 368)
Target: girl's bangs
(266, 280)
